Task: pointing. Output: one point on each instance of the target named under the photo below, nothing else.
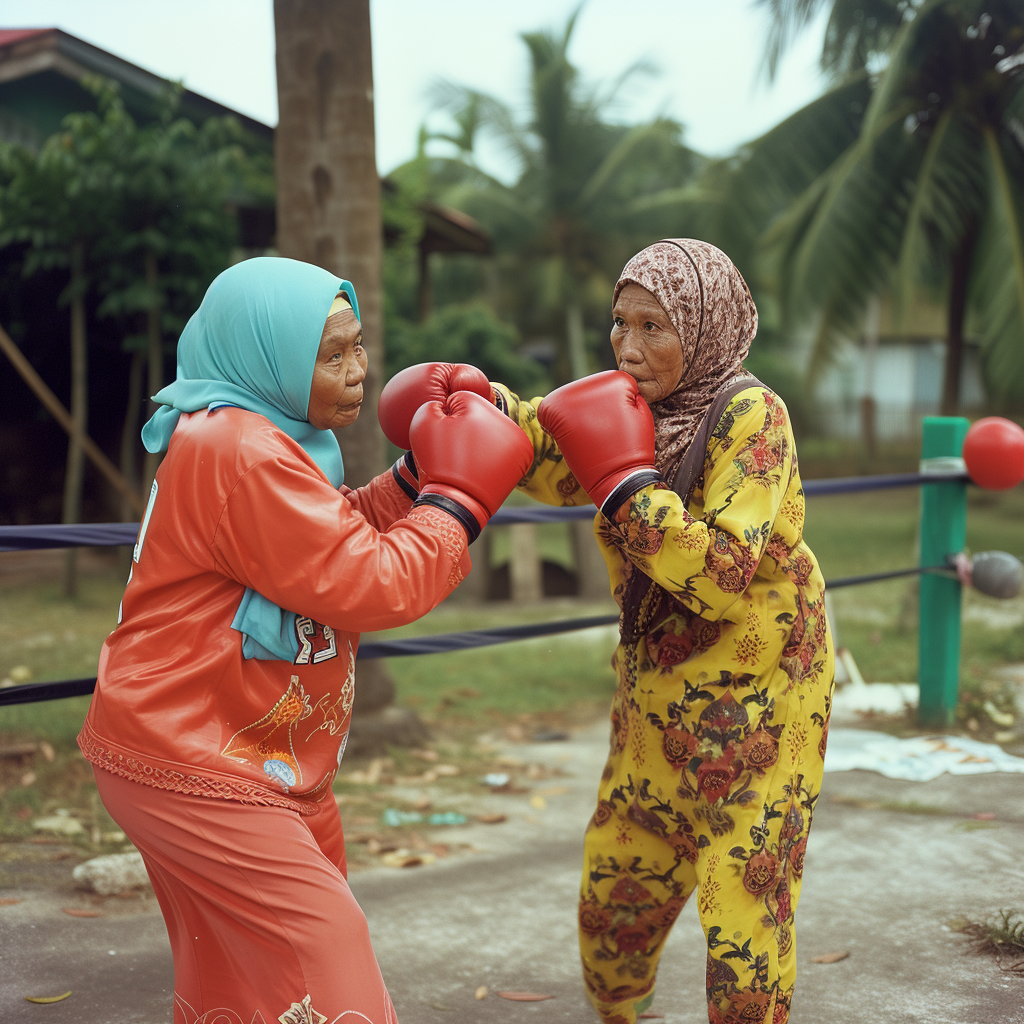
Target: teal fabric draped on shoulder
(253, 344)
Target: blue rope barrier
(30, 538)
(31, 693)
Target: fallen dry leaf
(28, 779)
(446, 769)
(404, 859)
(75, 912)
(491, 819)
(426, 755)
(8, 903)
(422, 804)
(538, 802)
(48, 999)
(480, 993)
(47, 750)
(830, 958)
(524, 997)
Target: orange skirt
(262, 923)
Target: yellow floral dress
(718, 724)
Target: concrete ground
(889, 863)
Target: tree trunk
(525, 575)
(328, 203)
(960, 271)
(130, 433)
(424, 287)
(129, 447)
(155, 352)
(328, 191)
(868, 406)
(75, 471)
(576, 337)
(591, 570)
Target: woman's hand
(470, 457)
(605, 432)
(425, 382)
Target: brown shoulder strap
(692, 464)
(683, 483)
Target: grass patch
(554, 679)
(912, 807)
(1001, 937)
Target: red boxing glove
(605, 431)
(470, 457)
(416, 385)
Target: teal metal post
(943, 532)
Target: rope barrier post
(943, 532)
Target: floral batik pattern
(718, 724)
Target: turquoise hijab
(253, 344)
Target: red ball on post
(994, 453)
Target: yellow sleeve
(708, 563)
(548, 479)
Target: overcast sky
(708, 56)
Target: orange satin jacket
(236, 504)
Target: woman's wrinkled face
(645, 343)
(336, 393)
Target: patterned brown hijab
(709, 304)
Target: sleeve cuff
(626, 488)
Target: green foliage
(572, 217)
(464, 334)
(858, 32)
(929, 193)
(124, 190)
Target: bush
(464, 334)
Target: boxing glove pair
(605, 432)
(466, 457)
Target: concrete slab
(889, 863)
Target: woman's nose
(629, 350)
(356, 373)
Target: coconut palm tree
(328, 213)
(566, 225)
(929, 194)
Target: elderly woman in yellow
(725, 663)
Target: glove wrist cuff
(406, 475)
(461, 507)
(635, 481)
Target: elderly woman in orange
(225, 692)
(725, 663)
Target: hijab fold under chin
(709, 304)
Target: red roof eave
(14, 35)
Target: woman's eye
(650, 326)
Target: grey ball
(997, 573)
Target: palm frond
(947, 200)
(998, 279)
(855, 229)
(620, 154)
(787, 18)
